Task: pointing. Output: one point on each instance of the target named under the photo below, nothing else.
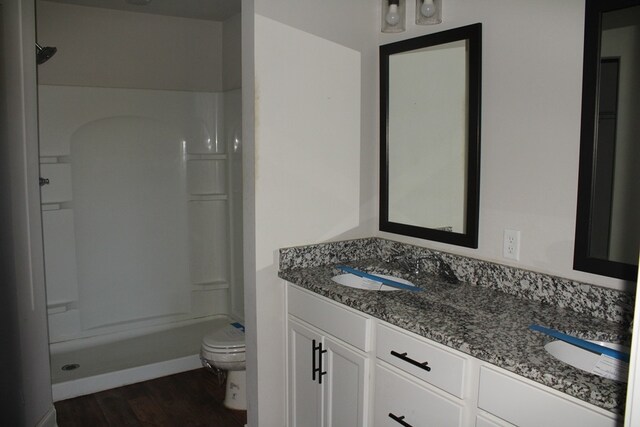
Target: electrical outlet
(511, 244)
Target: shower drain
(70, 367)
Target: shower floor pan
(127, 361)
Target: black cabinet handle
(403, 356)
(313, 360)
(399, 420)
(318, 368)
(320, 371)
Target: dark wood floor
(192, 398)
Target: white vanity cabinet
(416, 382)
(524, 403)
(328, 378)
(348, 369)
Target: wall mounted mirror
(607, 223)
(430, 136)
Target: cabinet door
(345, 385)
(305, 394)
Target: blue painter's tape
(378, 279)
(592, 347)
(238, 325)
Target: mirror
(607, 225)
(430, 136)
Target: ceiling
(213, 10)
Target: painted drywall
(531, 103)
(352, 24)
(110, 48)
(231, 53)
(24, 336)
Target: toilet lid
(227, 336)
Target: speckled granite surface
(479, 308)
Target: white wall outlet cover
(511, 244)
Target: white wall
(26, 397)
(531, 103)
(111, 48)
(231, 53)
(309, 144)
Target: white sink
(591, 362)
(361, 283)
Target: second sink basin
(590, 362)
(361, 283)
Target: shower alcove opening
(142, 211)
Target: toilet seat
(226, 337)
(224, 348)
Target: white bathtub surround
(138, 215)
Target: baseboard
(49, 419)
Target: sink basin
(591, 362)
(361, 283)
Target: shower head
(44, 53)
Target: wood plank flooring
(192, 398)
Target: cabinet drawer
(338, 321)
(524, 404)
(446, 370)
(485, 421)
(396, 396)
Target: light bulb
(392, 17)
(428, 9)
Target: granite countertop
(487, 324)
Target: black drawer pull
(399, 420)
(403, 356)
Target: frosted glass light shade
(428, 12)
(393, 16)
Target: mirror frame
(473, 34)
(582, 261)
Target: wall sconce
(393, 16)
(428, 12)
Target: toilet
(224, 350)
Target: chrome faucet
(408, 262)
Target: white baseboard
(49, 419)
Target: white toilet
(224, 349)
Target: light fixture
(428, 12)
(393, 16)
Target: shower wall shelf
(137, 216)
(61, 307)
(198, 156)
(219, 284)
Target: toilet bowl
(224, 349)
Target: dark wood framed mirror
(430, 136)
(608, 212)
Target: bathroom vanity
(454, 354)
